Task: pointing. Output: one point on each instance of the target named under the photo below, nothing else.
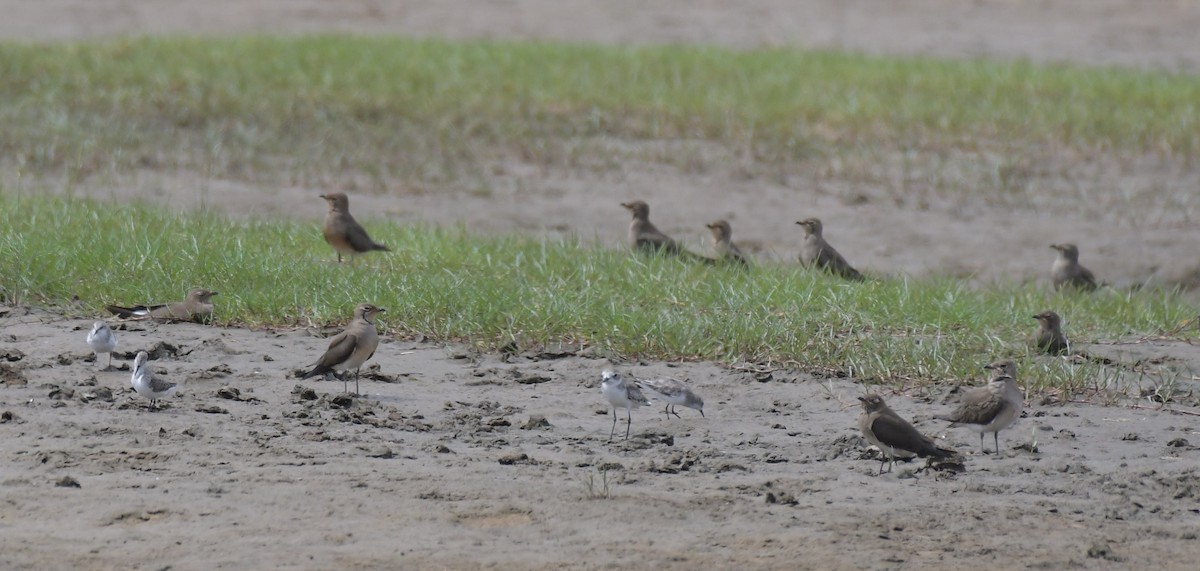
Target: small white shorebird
(619, 394)
(102, 340)
(675, 392)
(146, 383)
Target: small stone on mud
(1179, 443)
(515, 458)
(211, 409)
(228, 392)
(535, 421)
(1101, 550)
(68, 482)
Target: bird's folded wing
(133, 311)
(979, 406)
(896, 433)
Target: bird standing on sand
(674, 392)
(146, 383)
(816, 252)
(102, 340)
(196, 307)
(350, 348)
(722, 236)
(1066, 271)
(621, 394)
(343, 232)
(992, 407)
(1049, 337)
(894, 436)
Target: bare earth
(434, 467)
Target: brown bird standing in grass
(816, 252)
(992, 407)
(196, 307)
(722, 236)
(1049, 337)
(343, 232)
(350, 348)
(645, 237)
(894, 436)
(1066, 271)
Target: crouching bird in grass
(1049, 337)
(350, 348)
(894, 436)
(726, 250)
(343, 232)
(1068, 273)
(196, 307)
(647, 238)
(621, 394)
(817, 253)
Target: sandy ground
(443, 463)
(434, 467)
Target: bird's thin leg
(356, 371)
(675, 413)
(109, 361)
(997, 438)
(981, 446)
(614, 426)
(667, 411)
(628, 421)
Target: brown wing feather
(897, 433)
(340, 349)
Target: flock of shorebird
(989, 408)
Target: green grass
(310, 109)
(450, 285)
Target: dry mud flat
(453, 459)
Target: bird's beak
(325, 197)
(863, 399)
(800, 222)
(214, 293)
(381, 310)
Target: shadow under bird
(102, 340)
(350, 348)
(645, 237)
(674, 392)
(1049, 337)
(196, 307)
(992, 407)
(1066, 271)
(894, 436)
(343, 232)
(726, 250)
(621, 394)
(146, 383)
(815, 252)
